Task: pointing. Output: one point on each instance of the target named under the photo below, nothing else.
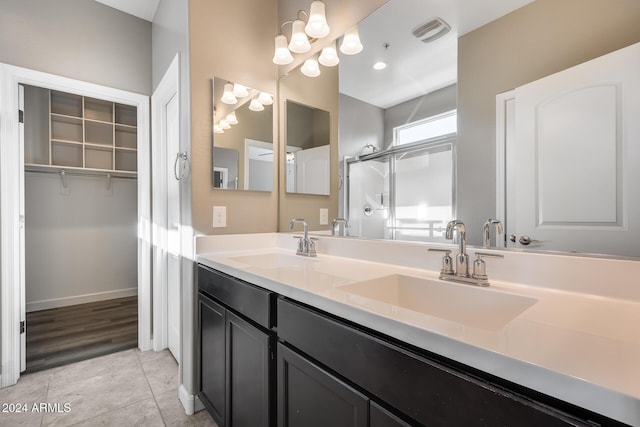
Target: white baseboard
(79, 299)
(188, 400)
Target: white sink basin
(273, 260)
(464, 304)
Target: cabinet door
(248, 379)
(211, 322)
(309, 396)
(380, 417)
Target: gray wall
(84, 40)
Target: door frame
(167, 89)
(12, 163)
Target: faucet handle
(447, 262)
(480, 267)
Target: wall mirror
(242, 153)
(307, 149)
(464, 72)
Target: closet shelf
(70, 170)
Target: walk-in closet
(80, 190)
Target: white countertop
(579, 347)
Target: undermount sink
(464, 304)
(273, 260)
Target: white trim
(10, 162)
(80, 299)
(167, 89)
(190, 402)
(501, 153)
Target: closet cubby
(86, 133)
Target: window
(432, 127)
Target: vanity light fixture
(310, 68)
(228, 97)
(255, 105)
(240, 91)
(317, 26)
(299, 40)
(282, 54)
(351, 43)
(329, 56)
(265, 98)
(224, 124)
(217, 129)
(231, 118)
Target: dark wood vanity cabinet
(235, 350)
(319, 370)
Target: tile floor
(129, 388)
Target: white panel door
(577, 151)
(23, 298)
(312, 170)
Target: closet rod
(77, 173)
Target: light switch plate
(219, 216)
(324, 216)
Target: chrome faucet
(486, 231)
(461, 272)
(462, 259)
(306, 246)
(342, 225)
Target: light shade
(224, 124)
(217, 129)
(317, 26)
(239, 90)
(310, 68)
(265, 98)
(282, 54)
(228, 97)
(256, 105)
(231, 118)
(329, 56)
(351, 44)
(299, 41)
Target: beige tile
(160, 369)
(98, 394)
(99, 366)
(143, 413)
(174, 415)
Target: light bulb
(310, 68)
(228, 97)
(232, 119)
(217, 129)
(317, 26)
(282, 54)
(265, 98)
(239, 90)
(256, 105)
(329, 56)
(299, 41)
(351, 44)
(224, 124)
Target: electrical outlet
(324, 216)
(219, 216)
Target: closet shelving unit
(88, 136)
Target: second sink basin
(464, 304)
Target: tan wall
(319, 92)
(542, 38)
(233, 40)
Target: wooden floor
(68, 334)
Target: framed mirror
(308, 161)
(243, 150)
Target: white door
(173, 230)
(23, 298)
(577, 150)
(312, 170)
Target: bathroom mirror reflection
(307, 149)
(489, 49)
(242, 153)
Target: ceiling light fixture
(351, 43)
(329, 56)
(380, 65)
(317, 26)
(310, 68)
(227, 96)
(255, 105)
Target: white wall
(82, 246)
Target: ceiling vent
(431, 30)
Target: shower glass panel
(369, 198)
(423, 194)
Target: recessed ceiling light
(380, 65)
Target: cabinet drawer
(425, 390)
(251, 301)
